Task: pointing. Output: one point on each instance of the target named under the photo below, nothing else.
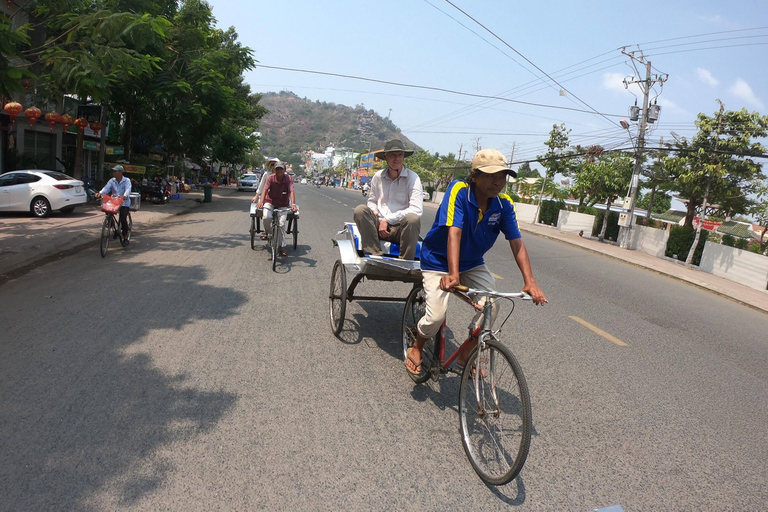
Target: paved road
(218, 385)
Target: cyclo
(291, 229)
(494, 403)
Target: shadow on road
(85, 408)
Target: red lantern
(52, 118)
(13, 109)
(66, 120)
(81, 123)
(96, 127)
(26, 84)
(33, 114)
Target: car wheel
(40, 207)
(68, 209)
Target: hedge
(550, 210)
(680, 241)
(612, 230)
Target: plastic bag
(111, 204)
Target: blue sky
(710, 50)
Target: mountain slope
(296, 124)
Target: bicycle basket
(111, 204)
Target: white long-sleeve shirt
(393, 200)
(122, 189)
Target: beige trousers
(437, 299)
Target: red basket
(111, 204)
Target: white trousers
(437, 299)
(282, 218)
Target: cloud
(669, 104)
(706, 77)
(743, 91)
(615, 82)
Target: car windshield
(59, 176)
(248, 177)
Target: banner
(135, 169)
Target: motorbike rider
(366, 187)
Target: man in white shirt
(269, 167)
(395, 204)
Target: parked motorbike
(365, 192)
(159, 194)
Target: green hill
(294, 125)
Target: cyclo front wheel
(295, 232)
(273, 242)
(106, 234)
(495, 412)
(415, 308)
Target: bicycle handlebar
(491, 293)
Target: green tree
(605, 178)
(759, 210)
(556, 144)
(716, 167)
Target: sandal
(281, 253)
(265, 236)
(417, 366)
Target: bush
(612, 230)
(728, 240)
(680, 241)
(587, 210)
(741, 243)
(754, 246)
(550, 211)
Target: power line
(438, 89)
(528, 61)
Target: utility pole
(645, 85)
(511, 159)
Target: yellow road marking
(599, 331)
(497, 277)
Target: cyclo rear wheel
(495, 412)
(106, 234)
(253, 232)
(337, 299)
(415, 308)
(273, 240)
(295, 232)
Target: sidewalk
(26, 242)
(677, 270)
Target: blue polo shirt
(478, 231)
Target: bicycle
(110, 227)
(494, 404)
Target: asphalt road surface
(181, 373)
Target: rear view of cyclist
(119, 186)
(471, 216)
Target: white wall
(738, 265)
(525, 212)
(573, 222)
(649, 240)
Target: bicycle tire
(274, 239)
(253, 233)
(337, 298)
(295, 233)
(497, 435)
(105, 236)
(415, 308)
(125, 240)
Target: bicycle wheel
(106, 234)
(415, 308)
(337, 299)
(295, 233)
(273, 240)
(253, 233)
(495, 412)
(125, 240)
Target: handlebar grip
(461, 288)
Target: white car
(248, 182)
(303, 181)
(40, 192)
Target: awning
(191, 165)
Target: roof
(669, 216)
(735, 228)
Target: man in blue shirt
(470, 218)
(119, 186)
